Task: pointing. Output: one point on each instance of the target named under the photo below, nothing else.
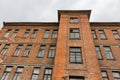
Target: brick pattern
(90, 68)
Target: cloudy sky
(46, 10)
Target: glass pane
(19, 69)
(116, 74)
(48, 71)
(8, 69)
(36, 71)
(104, 74)
(77, 35)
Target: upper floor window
(74, 20)
(55, 33)
(4, 50)
(35, 31)
(18, 49)
(76, 78)
(27, 50)
(26, 33)
(99, 54)
(102, 34)
(46, 33)
(42, 51)
(52, 51)
(6, 73)
(74, 33)
(15, 33)
(104, 75)
(48, 74)
(116, 34)
(116, 75)
(108, 52)
(75, 55)
(94, 34)
(18, 73)
(35, 73)
(7, 33)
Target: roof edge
(88, 12)
(105, 23)
(30, 23)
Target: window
(15, 33)
(6, 73)
(46, 34)
(18, 73)
(55, 33)
(26, 33)
(4, 50)
(48, 74)
(102, 34)
(108, 52)
(94, 34)
(73, 20)
(75, 55)
(104, 75)
(35, 73)
(76, 78)
(34, 33)
(42, 51)
(52, 51)
(18, 49)
(116, 34)
(99, 54)
(27, 50)
(74, 34)
(116, 75)
(7, 33)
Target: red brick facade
(90, 67)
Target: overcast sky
(46, 10)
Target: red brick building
(71, 49)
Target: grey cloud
(46, 10)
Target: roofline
(88, 12)
(105, 23)
(30, 23)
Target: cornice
(31, 24)
(88, 12)
(105, 23)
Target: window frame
(71, 32)
(26, 33)
(109, 52)
(33, 73)
(116, 35)
(54, 33)
(101, 34)
(116, 72)
(17, 73)
(6, 73)
(73, 20)
(7, 33)
(5, 49)
(80, 55)
(106, 77)
(41, 50)
(100, 53)
(94, 35)
(28, 47)
(52, 52)
(47, 74)
(46, 34)
(15, 33)
(18, 50)
(34, 33)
